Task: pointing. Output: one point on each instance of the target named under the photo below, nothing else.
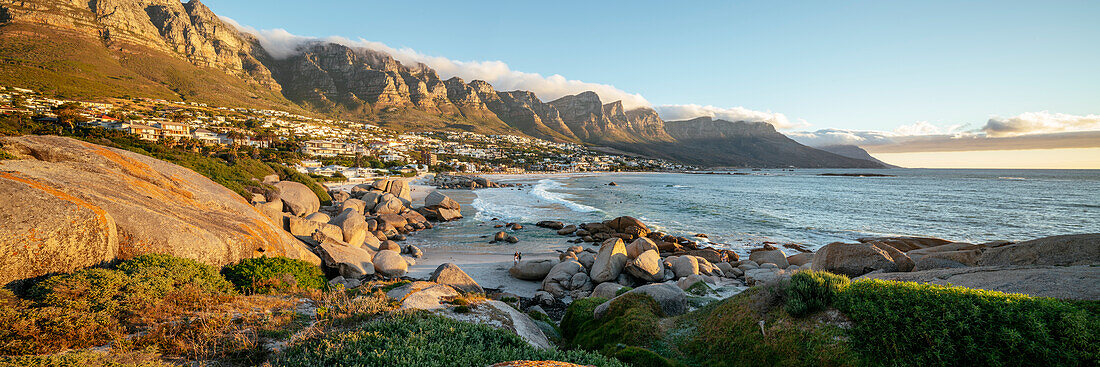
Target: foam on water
(541, 191)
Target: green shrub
(812, 291)
(729, 333)
(269, 274)
(700, 288)
(419, 340)
(623, 290)
(577, 315)
(462, 309)
(912, 324)
(631, 319)
(161, 273)
(86, 290)
(641, 357)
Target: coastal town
(326, 147)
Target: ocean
(744, 210)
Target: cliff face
(593, 121)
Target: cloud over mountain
(690, 111)
(280, 43)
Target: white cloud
(281, 44)
(825, 137)
(1042, 122)
(690, 111)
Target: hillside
(706, 141)
(183, 52)
(852, 151)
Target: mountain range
(183, 51)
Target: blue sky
(858, 65)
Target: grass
(418, 340)
(266, 275)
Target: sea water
(744, 209)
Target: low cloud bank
(690, 111)
(1031, 130)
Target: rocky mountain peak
(614, 109)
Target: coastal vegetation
(823, 319)
(154, 309)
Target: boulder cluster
(460, 182)
(358, 235)
(629, 255)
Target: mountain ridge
(168, 48)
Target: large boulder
(801, 258)
(610, 261)
(1075, 249)
(304, 227)
(297, 198)
(400, 189)
(532, 269)
(773, 256)
(640, 245)
(357, 205)
(450, 274)
(672, 299)
(683, 266)
(500, 315)
(852, 259)
(437, 199)
(389, 204)
(1066, 282)
(559, 280)
(903, 262)
(960, 252)
(439, 207)
(648, 266)
(629, 225)
(353, 225)
(606, 290)
(906, 243)
(67, 204)
(350, 262)
(390, 263)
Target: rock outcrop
(1066, 282)
(74, 204)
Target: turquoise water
(742, 211)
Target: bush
(577, 315)
(812, 291)
(912, 324)
(632, 319)
(623, 290)
(161, 273)
(641, 357)
(729, 333)
(419, 340)
(265, 275)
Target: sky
(893, 77)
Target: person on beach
(516, 258)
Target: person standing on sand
(516, 258)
